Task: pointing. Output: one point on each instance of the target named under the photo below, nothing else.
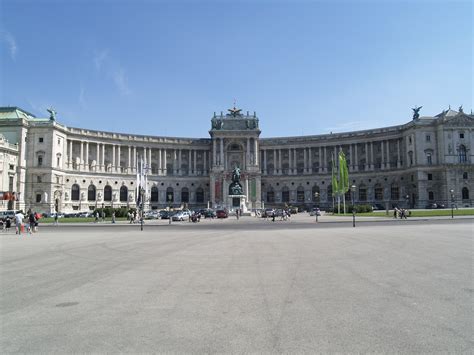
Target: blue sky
(306, 67)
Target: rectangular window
(12, 167)
(40, 161)
(362, 194)
(38, 178)
(378, 193)
(59, 141)
(428, 138)
(58, 162)
(461, 135)
(38, 197)
(431, 195)
(394, 193)
(430, 176)
(428, 159)
(464, 175)
(40, 139)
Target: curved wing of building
(50, 167)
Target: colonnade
(317, 159)
(119, 158)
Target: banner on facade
(7, 196)
(217, 191)
(253, 190)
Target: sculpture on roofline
(52, 113)
(416, 111)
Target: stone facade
(54, 167)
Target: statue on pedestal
(235, 188)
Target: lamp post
(316, 196)
(452, 202)
(353, 189)
(407, 197)
(170, 196)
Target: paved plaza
(247, 286)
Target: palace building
(47, 166)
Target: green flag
(343, 174)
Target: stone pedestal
(237, 202)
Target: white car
(181, 216)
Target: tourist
(56, 218)
(31, 220)
(113, 217)
(19, 222)
(97, 217)
(8, 224)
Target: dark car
(208, 213)
(165, 214)
(222, 214)
(433, 206)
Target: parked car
(208, 213)
(5, 214)
(267, 212)
(315, 212)
(222, 214)
(435, 206)
(180, 216)
(377, 206)
(153, 214)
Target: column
(86, 157)
(114, 167)
(382, 165)
(175, 162)
(180, 170)
(290, 162)
(388, 155)
(320, 157)
(279, 162)
(97, 156)
(222, 152)
(310, 160)
(119, 168)
(81, 165)
(294, 161)
(356, 159)
(70, 154)
(398, 154)
(275, 166)
(160, 168)
(102, 166)
(265, 161)
(165, 163)
(135, 159)
(214, 151)
(351, 167)
(371, 155)
(129, 160)
(204, 164)
(325, 168)
(149, 160)
(367, 164)
(256, 151)
(247, 158)
(194, 162)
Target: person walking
(113, 217)
(31, 220)
(8, 224)
(19, 222)
(56, 218)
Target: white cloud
(112, 69)
(8, 38)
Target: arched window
(285, 194)
(75, 192)
(329, 193)
(123, 193)
(300, 194)
(394, 192)
(465, 193)
(271, 196)
(154, 194)
(169, 194)
(315, 194)
(91, 193)
(108, 193)
(378, 192)
(184, 194)
(462, 154)
(199, 195)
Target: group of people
(133, 217)
(400, 213)
(29, 222)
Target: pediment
(460, 120)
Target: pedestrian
(8, 224)
(237, 213)
(2, 225)
(31, 220)
(395, 212)
(113, 217)
(56, 218)
(273, 216)
(19, 222)
(96, 216)
(103, 216)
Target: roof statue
(52, 113)
(234, 111)
(416, 111)
(460, 109)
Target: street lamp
(316, 196)
(353, 189)
(452, 203)
(407, 197)
(170, 196)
